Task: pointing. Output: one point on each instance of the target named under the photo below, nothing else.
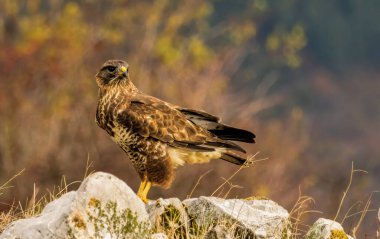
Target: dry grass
(353, 170)
(227, 182)
(297, 214)
(11, 215)
(32, 206)
(362, 212)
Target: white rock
(169, 215)
(324, 228)
(253, 218)
(219, 232)
(45, 225)
(102, 207)
(171, 207)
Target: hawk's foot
(142, 193)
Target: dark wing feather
(192, 114)
(151, 117)
(212, 124)
(230, 133)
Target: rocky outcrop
(102, 207)
(105, 207)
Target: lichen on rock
(326, 229)
(248, 218)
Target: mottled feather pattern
(155, 119)
(158, 136)
(149, 156)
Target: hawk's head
(112, 72)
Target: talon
(144, 189)
(144, 199)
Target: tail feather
(233, 158)
(231, 133)
(225, 144)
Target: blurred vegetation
(303, 75)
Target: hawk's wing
(151, 117)
(213, 124)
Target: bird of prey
(158, 136)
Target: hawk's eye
(111, 69)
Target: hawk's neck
(124, 88)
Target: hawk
(158, 136)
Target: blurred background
(303, 75)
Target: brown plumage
(158, 136)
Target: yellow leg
(144, 189)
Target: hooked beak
(123, 71)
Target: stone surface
(171, 209)
(169, 215)
(326, 229)
(219, 232)
(102, 207)
(252, 218)
(50, 224)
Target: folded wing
(213, 125)
(183, 129)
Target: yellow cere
(123, 69)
